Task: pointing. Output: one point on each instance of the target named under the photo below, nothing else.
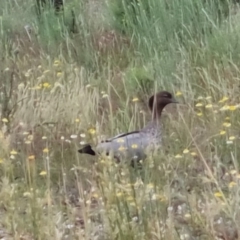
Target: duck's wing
(121, 135)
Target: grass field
(65, 83)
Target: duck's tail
(87, 149)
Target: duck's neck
(156, 114)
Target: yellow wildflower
(226, 124)
(119, 194)
(193, 154)
(5, 120)
(134, 146)
(77, 120)
(30, 137)
(232, 184)
(45, 150)
(135, 99)
(185, 151)
(13, 152)
(104, 95)
(56, 63)
(178, 156)
(232, 107)
(43, 173)
(224, 99)
(222, 132)
(187, 215)
(233, 172)
(199, 114)
(120, 140)
(218, 194)
(209, 106)
(224, 108)
(199, 105)
(95, 195)
(92, 131)
(46, 85)
(178, 93)
(59, 74)
(232, 138)
(31, 157)
(26, 194)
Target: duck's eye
(167, 96)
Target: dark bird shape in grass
(136, 145)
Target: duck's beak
(174, 100)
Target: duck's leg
(135, 161)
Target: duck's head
(159, 100)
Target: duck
(136, 145)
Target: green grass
(61, 88)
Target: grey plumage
(133, 145)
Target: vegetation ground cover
(84, 74)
